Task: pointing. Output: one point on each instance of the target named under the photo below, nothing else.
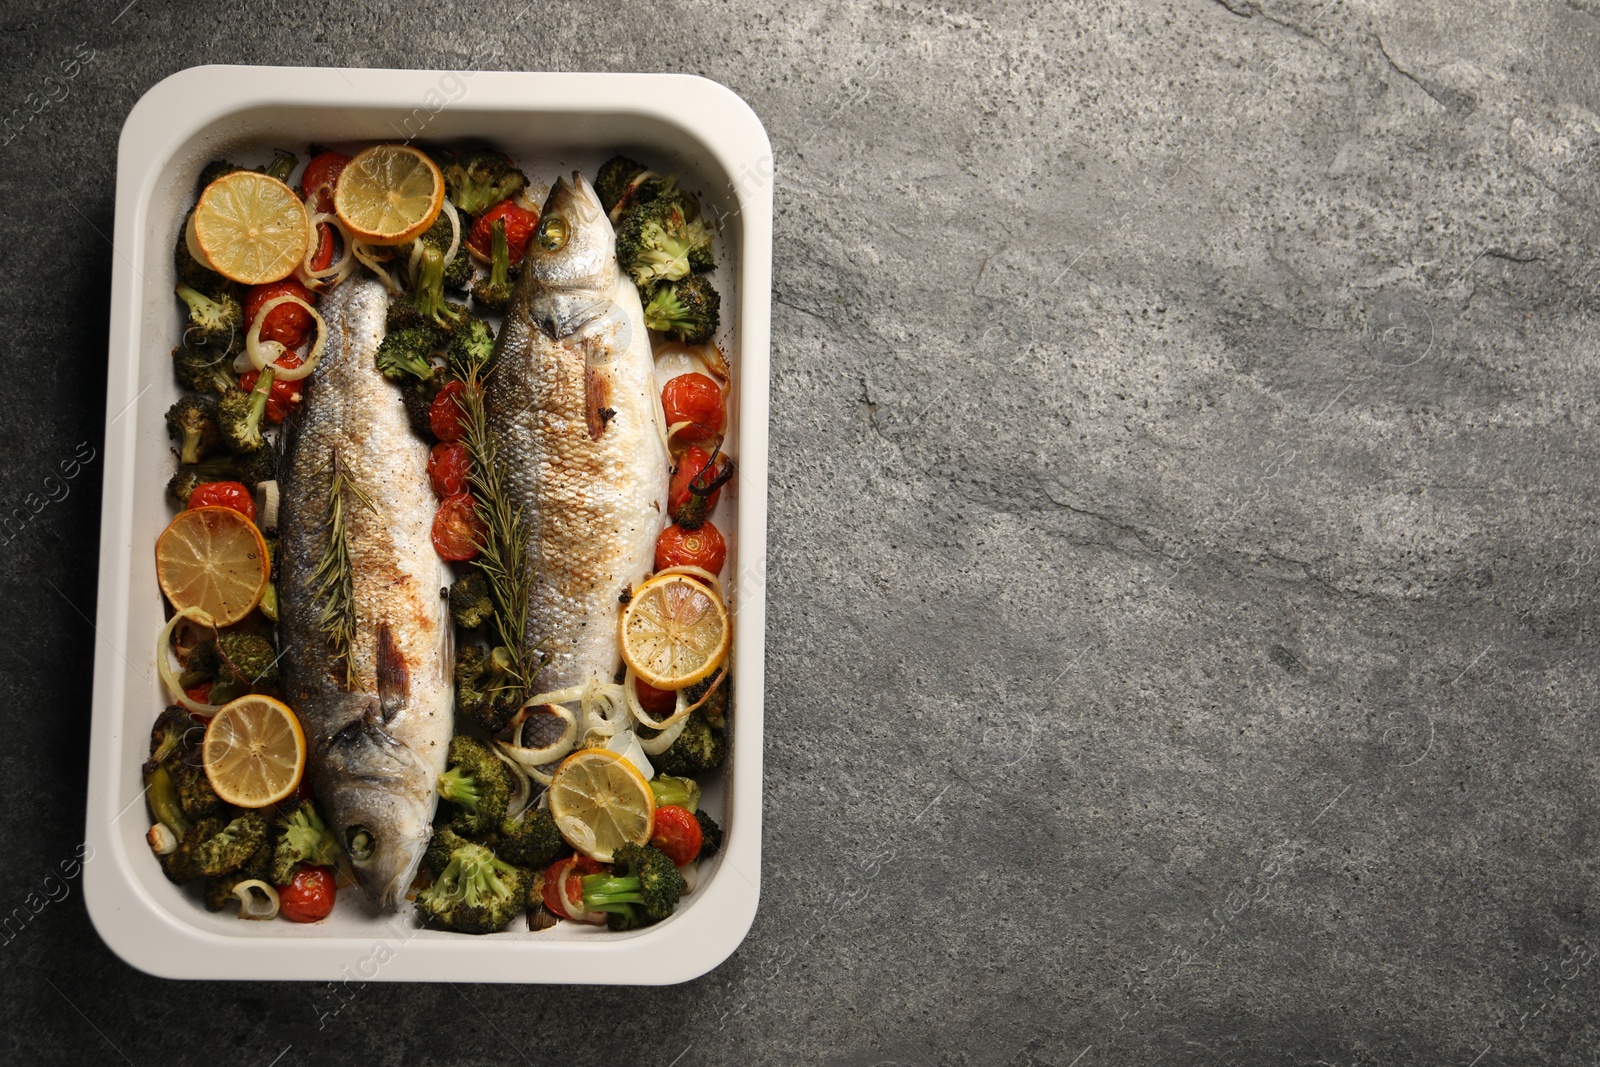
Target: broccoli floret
(478, 180)
(471, 348)
(684, 792)
(182, 864)
(710, 835)
(212, 848)
(417, 395)
(623, 184)
(215, 321)
(697, 750)
(195, 795)
(483, 694)
(282, 165)
(428, 295)
(250, 469)
(642, 888)
(204, 368)
(219, 891)
(470, 605)
(441, 845)
(192, 422)
(478, 784)
(659, 242)
(532, 841)
(239, 413)
(175, 734)
(476, 893)
(302, 837)
(687, 309)
(405, 353)
(216, 169)
(494, 292)
(246, 659)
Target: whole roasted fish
(364, 629)
(572, 401)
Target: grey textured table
(1184, 559)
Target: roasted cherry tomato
(456, 529)
(693, 398)
(704, 547)
(284, 396)
(449, 467)
(677, 833)
(658, 702)
(520, 224)
(445, 417)
(200, 693)
(324, 257)
(695, 463)
(319, 178)
(287, 323)
(308, 896)
(225, 495)
(563, 885)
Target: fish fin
(394, 678)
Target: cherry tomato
(677, 833)
(456, 529)
(225, 495)
(319, 178)
(308, 896)
(693, 398)
(658, 702)
(284, 396)
(449, 467)
(677, 547)
(520, 224)
(691, 465)
(445, 417)
(287, 323)
(324, 257)
(562, 886)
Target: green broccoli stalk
(240, 414)
(478, 784)
(218, 321)
(642, 888)
(697, 750)
(478, 180)
(471, 348)
(470, 604)
(192, 422)
(532, 841)
(407, 352)
(494, 292)
(246, 659)
(688, 309)
(428, 295)
(710, 835)
(302, 837)
(683, 792)
(476, 893)
(659, 242)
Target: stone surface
(1184, 560)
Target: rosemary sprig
(334, 576)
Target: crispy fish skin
(572, 401)
(375, 749)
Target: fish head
(570, 267)
(379, 799)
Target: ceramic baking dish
(552, 123)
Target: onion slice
(522, 796)
(257, 899)
(169, 677)
(339, 269)
(455, 230)
(538, 756)
(373, 261)
(259, 350)
(630, 688)
(654, 746)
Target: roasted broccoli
(212, 848)
(216, 169)
(406, 353)
(623, 184)
(697, 750)
(477, 784)
(417, 395)
(659, 242)
(246, 659)
(204, 368)
(219, 890)
(684, 792)
(687, 309)
(440, 846)
(642, 888)
(192, 422)
(457, 271)
(531, 841)
(240, 414)
(195, 795)
(476, 893)
(428, 294)
(470, 605)
(174, 734)
(218, 322)
(478, 180)
(494, 292)
(482, 694)
(302, 837)
(471, 348)
(710, 835)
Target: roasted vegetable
(240, 414)
(684, 792)
(623, 184)
(478, 180)
(192, 423)
(531, 841)
(659, 242)
(478, 786)
(697, 750)
(483, 694)
(301, 837)
(204, 368)
(218, 322)
(710, 835)
(643, 888)
(441, 845)
(407, 352)
(494, 292)
(471, 348)
(470, 604)
(476, 893)
(687, 309)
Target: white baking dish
(690, 125)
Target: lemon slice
(389, 194)
(254, 752)
(674, 631)
(600, 801)
(251, 227)
(213, 559)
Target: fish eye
(359, 843)
(552, 233)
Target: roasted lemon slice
(675, 631)
(389, 194)
(254, 752)
(213, 559)
(600, 801)
(250, 227)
